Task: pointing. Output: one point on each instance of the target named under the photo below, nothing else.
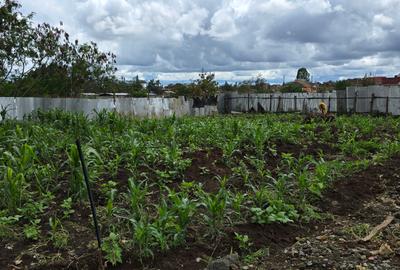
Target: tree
(291, 88)
(260, 84)
(341, 85)
(137, 89)
(303, 74)
(16, 39)
(245, 86)
(226, 87)
(180, 89)
(154, 86)
(205, 86)
(31, 53)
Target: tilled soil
(354, 205)
(357, 205)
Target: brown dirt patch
(205, 166)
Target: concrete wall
(277, 102)
(380, 104)
(340, 101)
(141, 107)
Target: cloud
(176, 38)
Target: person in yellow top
(323, 108)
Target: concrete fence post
(371, 105)
(329, 104)
(387, 105)
(248, 102)
(279, 107)
(355, 102)
(270, 103)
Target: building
(306, 86)
(104, 95)
(386, 81)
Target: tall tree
(303, 74)
(205, 85)
(16, 40)
(31, 54)
(154, 86)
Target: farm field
(178, 193)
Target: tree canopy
(303, 74)
(42, 60)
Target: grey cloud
(233, 35)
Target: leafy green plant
(58, 236)
(244, 241)
(110, 190)
(143, 232)
(243, 172)
(13, 188)
(32, 230)
(112, 249)
(277, 211)
(77, 184)
(67, 208)
(137, 192)
(7, 225)
(256, 256)
(182, 207)
(215, 206)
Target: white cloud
(274, 37)
(223, 24)
(382, 20)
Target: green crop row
(159, 182)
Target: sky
(174, 40)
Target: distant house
(104, 95)
(306, 86)
(386, 81)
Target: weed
(32, 230)
(58, 236)
(67, 208)
(112, 248)
(244, 242)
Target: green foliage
(358, 231)
(77, 187)
(256, 256)
(137, 89)
(205, 86)
(215, 206)
(32, 230)
(244, 241)
(137, 197)
(58, 235)
(182, 207)
(342, 85)
(291, 88)
(143, 232)
(12, 187)
(150, 200)
(111, 191)
(43, 57)
(278, 211)
(7, 225)
(303, 74)
(112, 249)
(154, 86)
(67, 208)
